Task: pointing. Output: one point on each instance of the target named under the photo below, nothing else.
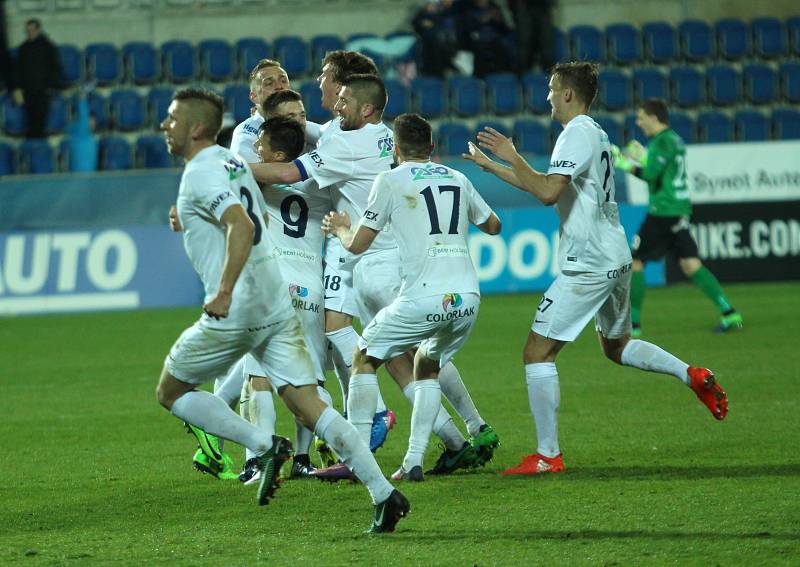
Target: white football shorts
(338, 280)
(376, 279)
(308, 303)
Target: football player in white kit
(429, 208)
(245, 310)
(594, 261)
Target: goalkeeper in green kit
(666, 227)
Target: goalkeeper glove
(620, 161)
(637, 152)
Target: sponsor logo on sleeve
(218, 200)
(430, 172)
(235, 168)
(371, 215)
(563, 163)
(315, 157)
(386, 146)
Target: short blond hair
(263, 64)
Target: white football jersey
(347, 162)
(244, 138)
(212, 181)
(428, 207)
(591, 236)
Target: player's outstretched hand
(219, 306)
(499, 145)
(635, 150)
(334, 221)
(476, 156)
(174, 221)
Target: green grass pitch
(95, 472)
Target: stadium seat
(71, 64)
(58, 117)
(237, 101)
(503, 94)
(660, 44)
(158, 101)
(615, 92)
(555, 131)
(786, 124)
(612, 127)
(313, 102)
(697, 41)
(586, 43)
(178, 61)
(62, 155)
(624, 44)
(320, 46)
(632, 131)
(535, 87)
(115, 153)
(466, 95)
(733, 39)
(751, 126)
(760, 83)
(649, 82)
(453, 138)
(714, 127)
(769, 38)
(293, 54)
(151, 152)
(684, 126)
(724, 85)
(531, 137)
(103, 63)
(688, 86)
(8, 159)
(429, 97)
(399, 100)
(36, 156)
(141, 62)
(217, 61)
(496, 124)
(98, 108)
(561, 52)
(127, 110)
(251, 50)
(790, 82)
(793, 30)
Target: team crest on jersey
(451, 301)
(431, 172)
(386, 146)
(235, 168)
(297, 291)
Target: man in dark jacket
(37, 72)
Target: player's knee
(164, 399)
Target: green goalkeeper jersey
(665, 173)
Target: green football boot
(326, 454)
(205, 465)
(484, 443)
(216, 462)
(729, 322)
(636, 330)
(452, 460)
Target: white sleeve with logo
(477, 209)
(211, 192)
(379, 204)
(243, 143)
(572, 154)
(332, 162)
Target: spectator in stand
(488, 37)
(533, 20)
(435, 25)
(37, 71)
(82, 141)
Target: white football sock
(342, 437)
(443, 427)
(427, 401)
(361, 403)
(303, 437)
(544, 397)
(212, 415)
(647, 356)
(229, 388)
(262, 411)
(244, 411)
(344, 343)
(456, 393)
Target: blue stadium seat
(555, 131)
(103, 63)
(453, 138)
(71, 64)
(793, 30)
(497, 125)
(632, 131)
(62, 155)
(320, 46)
(660, 43)
(115, 153)
(178, 61)
(127, 110)
(561, 51)
(624, 44)
(251, 50)
(697, 41)
(151, 152)
(399, 100)
(58, 117)
(714, 127)
(313, 102)
(724, 85)
(751, 126)
(237, 101)
(586, 43)
(466, 95)
(786, 124)
(8, 159)
(429, 97)
(688, 86)
(535, 87)
(531, 137)
(216, 60)
(141, 63)
(293, 54)
(36, 156)
(98, 109)
(615, 92)
(760, 83)
(684, 126)
(733, 39)
(649, 82)
(612, 127)
(503, 94)
(790, 82)
(769, 38)
(158, 101)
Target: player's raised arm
(272, 173)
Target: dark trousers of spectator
(37, 107)
(535, 34)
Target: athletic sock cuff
(540, 370)
(363, 380)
